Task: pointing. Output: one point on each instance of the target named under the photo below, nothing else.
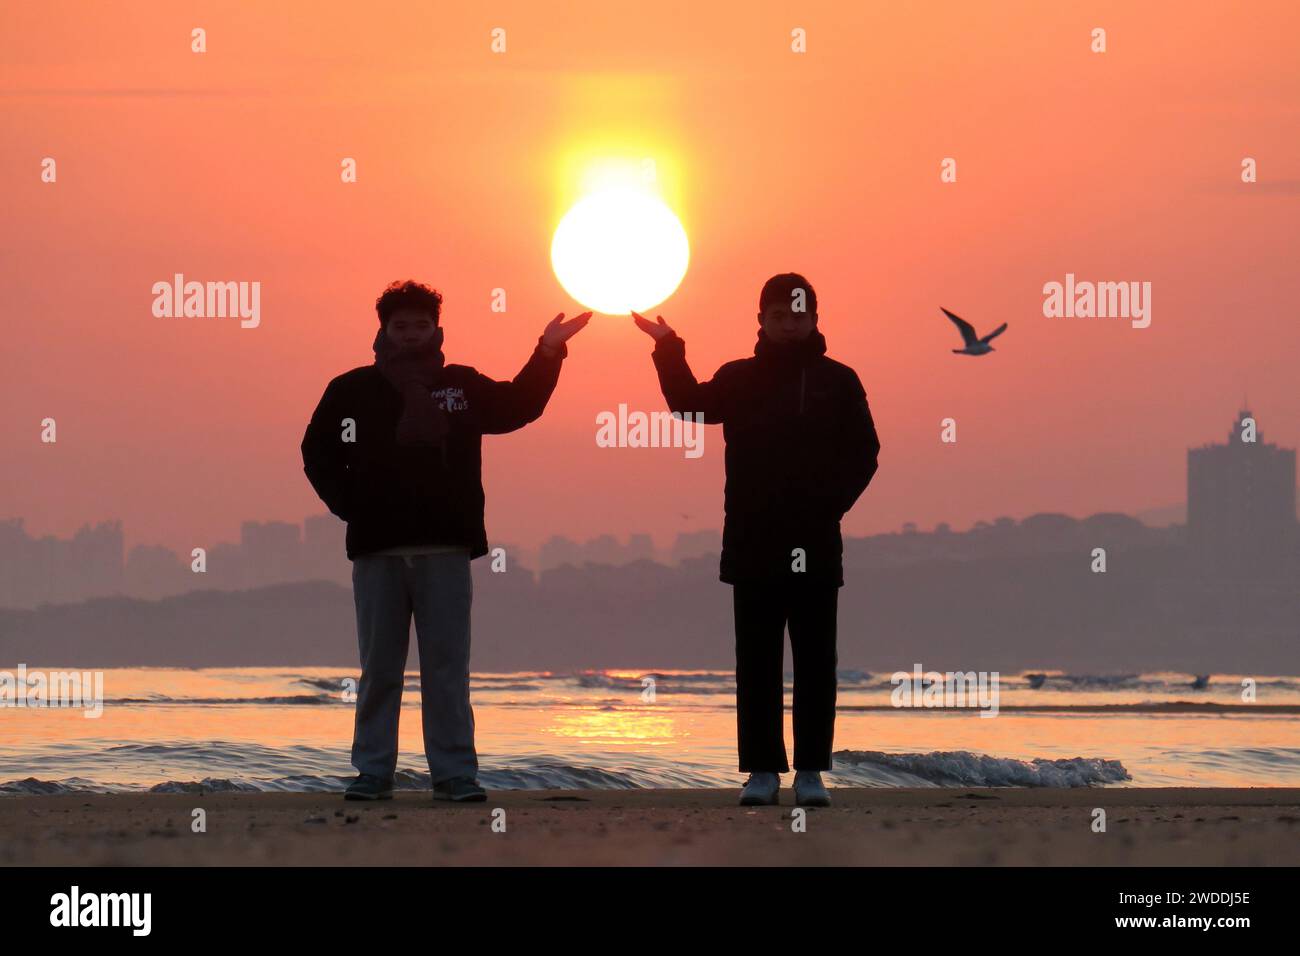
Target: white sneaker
(761, 789)
(809, 790)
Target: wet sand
(1041, 827)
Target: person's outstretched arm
(676, 380)
(859, 443)
(505, 406)
(322, 451)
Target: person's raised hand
(558, 331)
(657, 331)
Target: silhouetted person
(394, 449)
(801, 449)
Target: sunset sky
(225, 165)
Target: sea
(290, 729)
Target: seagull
(974, 344)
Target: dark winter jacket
(391, 494)
(801, 448)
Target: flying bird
(974, 344)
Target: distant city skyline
(1238, 495)
(1008, 595)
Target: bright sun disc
(619, 249)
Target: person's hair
(780, 288)
(408, 295)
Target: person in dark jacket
(394, 449)
(801, 448)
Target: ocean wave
(961, 768)
(851, 768)
(34, 787)
(556, 689)
(328, 684)
(530, 777)
(280, 700)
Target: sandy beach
(869, 826)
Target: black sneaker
(369, 787)
(459, 789)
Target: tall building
(1241, 502)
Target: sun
(618, 249)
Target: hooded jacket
(801, 448)
(391, 494)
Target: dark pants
(762, 612)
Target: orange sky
(225, 166)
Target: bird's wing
(995, 333)
(967, 330)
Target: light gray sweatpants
(437, 589)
